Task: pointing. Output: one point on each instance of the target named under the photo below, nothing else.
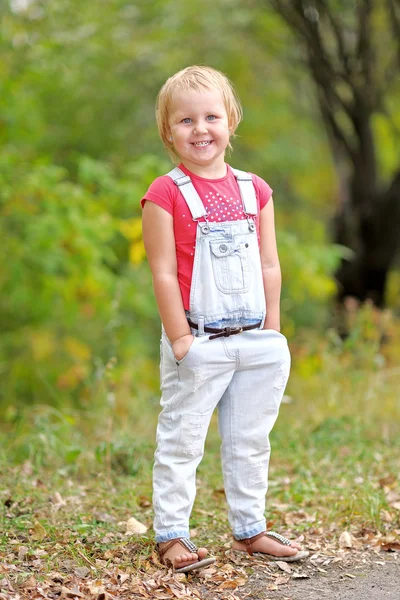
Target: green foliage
(308, 284)
(70, 296)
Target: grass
(70, 479)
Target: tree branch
(306, 26)
(364, 51)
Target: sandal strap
(250, 541)
(185, 542)
(276, 536)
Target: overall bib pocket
(230, 266)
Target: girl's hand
(182, 345)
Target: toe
(295, 545)
(202, 553)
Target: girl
(209, 235)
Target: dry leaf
(284, 566)
(30, 583)
(144, 502)
(396, 505)
(57, 499)
(134, 527)
(227, 568)
(123, 577)
(346, 540)
(391, 547)
(74, 593)
(228, 585)
(39, 532)
(300, 576)
(387, 481)
(82, 572)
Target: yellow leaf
(42, 344)
(137, 252)
(39, 532)
(77, 349)
(131, 228)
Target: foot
(180, 558)
(267, 545)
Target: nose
(200, 128)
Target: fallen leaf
(57, 499)
(134, 527)
(281, 580)
(396, 505)
(30, 583)
(103, 517)
(82, 572)
(74, 593)
(227, 568)
(228, 585)
(391, 547)
(39, 532)
(300, 576)
(144, 502)
(387, 481)
(284, 566)
(346, 540)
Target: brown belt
(227, 331)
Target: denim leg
(247, 412)
(191, 391)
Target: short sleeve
(162, 192)
(263, 190)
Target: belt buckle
(233, 331)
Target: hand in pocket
(182, 346)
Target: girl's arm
(271, 269)
(159, 241)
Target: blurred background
(320, 87)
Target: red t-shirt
(221, 198)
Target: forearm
(170, 306)
(272, 280)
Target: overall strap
(247, 191)
(188, 191)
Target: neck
(207, 171)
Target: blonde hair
(197, 78)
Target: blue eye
(187, 120)
(211, 117)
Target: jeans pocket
(189, 352)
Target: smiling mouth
(202, 144)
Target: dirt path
(371, 582)
(375, 582)
(363, 576)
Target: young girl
(209, 235)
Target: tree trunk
(371, 230)
(342, 57)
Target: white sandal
(188, 545)
(279, 538)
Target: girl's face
(199, 126)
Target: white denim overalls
(241, 369)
